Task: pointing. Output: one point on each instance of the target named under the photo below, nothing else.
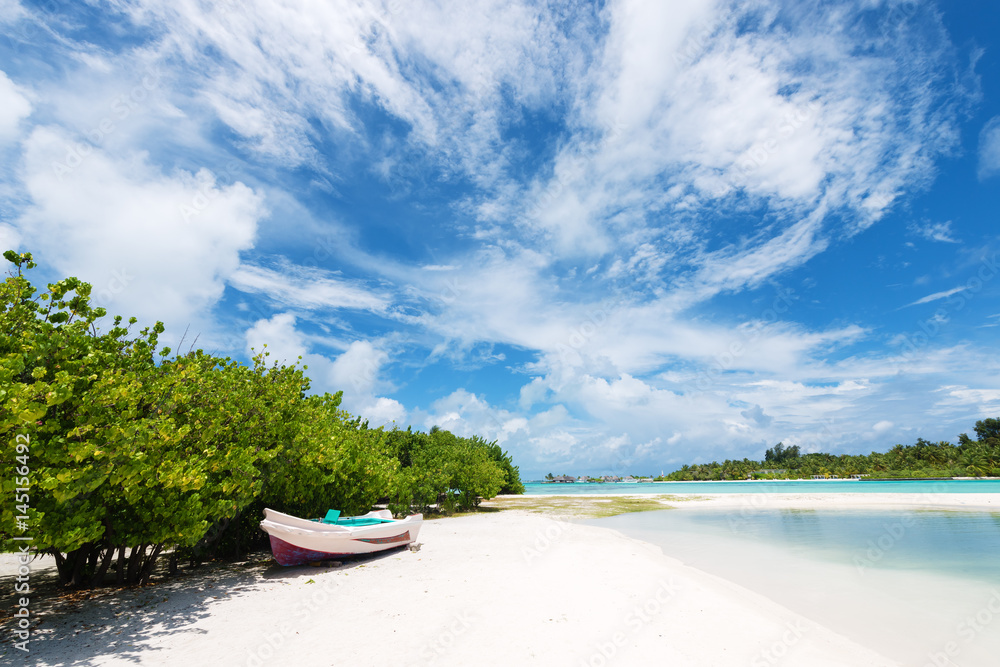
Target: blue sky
(616, 237)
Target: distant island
(969, 458)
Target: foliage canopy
(127, 450)
(969, 458)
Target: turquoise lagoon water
(782, 486)
(920, 586)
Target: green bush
(128, 451)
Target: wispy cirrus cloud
(307, 288)
(989, 149)
(937, 296)
(940, 231)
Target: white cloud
(384, 411)
(882, 426)
(555, 445)
(756, 414)
(14, 107)
(11, 11)
(442, 68)
(356, 370)
(941, 231)
(305, 288)
(284, 344)
(989, 149)
(10, 239)
(654, 153)
(937, 296)
(985, 402)
(120, 224)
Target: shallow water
(921, 587)
(779, 486)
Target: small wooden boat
(296, 541)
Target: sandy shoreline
(962, 501)
(504, 588)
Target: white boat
(296, 541)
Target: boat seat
(331, 516)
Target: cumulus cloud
(120, 224)
(356, 371)
(384, 411)
(756, 414)
(278, 338)
(9, 238)
(14, 107)
(882, 426)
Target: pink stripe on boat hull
(288, 554)
(405, 537)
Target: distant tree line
(122, 451)
(969, 458)
(779, 453)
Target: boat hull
(296, 541)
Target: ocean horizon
(991, 485)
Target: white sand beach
(945, 501)
(953, 501)
(503, 588)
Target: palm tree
(978, 461)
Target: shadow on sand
(132, 624)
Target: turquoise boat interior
(333, 517)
